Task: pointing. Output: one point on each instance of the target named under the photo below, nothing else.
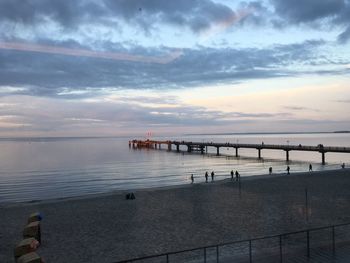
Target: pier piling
(287, 155)
(189, 148)
(323, 158)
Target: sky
(131, 67)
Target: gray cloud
(345, 36)
(298, 108)
(301, 11)
(259, 14)
(344, 20)
(329, 13)
(67, 13)
(71, 76)
(197, 15)
(343, 101)
(26, 113)
(170, 100)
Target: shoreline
(160, 188)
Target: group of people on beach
(212, 174)
(310, 168)
(238, 176)
(206, 175)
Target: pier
(202, 147)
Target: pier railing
(279, 252)
(318, 148)
(202, 147)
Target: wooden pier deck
(202, 147)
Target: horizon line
(185, 134)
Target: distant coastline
(57, 138)
(264, 133)
(341, 132)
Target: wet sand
(107, 228)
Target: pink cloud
(29, 47)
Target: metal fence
(301, 242)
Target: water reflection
(60, 167)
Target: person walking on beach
(343, 166)
(192, 179)
(212, 175)
(288, 169)
(231, 175)
(310, 167)
(237, 175)
(206, 176)
(270, 170)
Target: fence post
(217, 254)
(205, 255)
(280, 248)
(333, 239)
(250, 251)
(308, 242)
(239, 186)
(306, 204)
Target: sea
(36, 169)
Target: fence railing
(249, 242)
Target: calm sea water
(47, 168)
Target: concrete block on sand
(26, 246)
(32, 230)
(29, 258)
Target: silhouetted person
(270, 170)
(288, 169)
(192, 179)
(343, 165)
(237, 175)
(231, 175)
(310, 167)
(206, 177)
(212, 175)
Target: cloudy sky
(125, 67)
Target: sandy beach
(108, 228)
